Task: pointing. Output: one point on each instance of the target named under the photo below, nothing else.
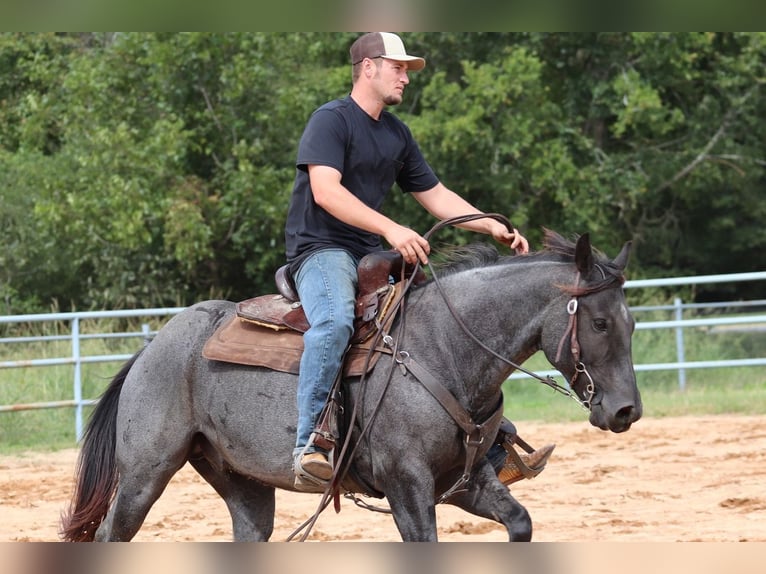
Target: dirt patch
(675, 479)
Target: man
(351, 153)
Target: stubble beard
(392, 100)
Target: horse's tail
(96, 472)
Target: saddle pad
(245, 343)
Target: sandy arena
(666, 480)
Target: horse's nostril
(625, 414)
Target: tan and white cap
(384, 45)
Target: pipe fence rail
(77, 359)
(753, 322)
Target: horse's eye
(599, 324)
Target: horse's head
(589, 339)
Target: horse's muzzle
(618, 420)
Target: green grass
(708, 391)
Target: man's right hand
(409, 243)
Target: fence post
(77, 378)
(679, 312)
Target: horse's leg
(250, 503)
(410, 496)
(141, 484)
(487, 497)
(153, 441)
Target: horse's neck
(504, 307)
(507, 302)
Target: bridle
(574, 346)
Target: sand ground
(666, 480)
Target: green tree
(177, 155)
(151, 169)
(676, 125)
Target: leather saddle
(267, 331)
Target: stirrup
(306, 481)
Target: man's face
(391, 77)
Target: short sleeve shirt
(371, 156)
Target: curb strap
(475, 434)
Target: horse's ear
(584, 254)
(621, 261)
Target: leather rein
(571, 328)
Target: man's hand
(409, 243)
(513, 240)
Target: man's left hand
(513, 240)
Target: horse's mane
(455, 259)
(556, 248)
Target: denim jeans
(326, 282)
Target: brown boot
(312, 472)
(525, 465)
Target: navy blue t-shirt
(371, 155)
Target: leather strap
(571, 330)
(475, 434)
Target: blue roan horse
(236, 424)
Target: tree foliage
(153, 169)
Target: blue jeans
(326, 284)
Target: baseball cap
(383, 45)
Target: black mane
(556, 248)
(461, 258)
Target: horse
(463, 333)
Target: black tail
(96, 472)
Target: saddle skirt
(267, 331)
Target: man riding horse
(351, 153)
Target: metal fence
(76, 359)
(750, 321)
